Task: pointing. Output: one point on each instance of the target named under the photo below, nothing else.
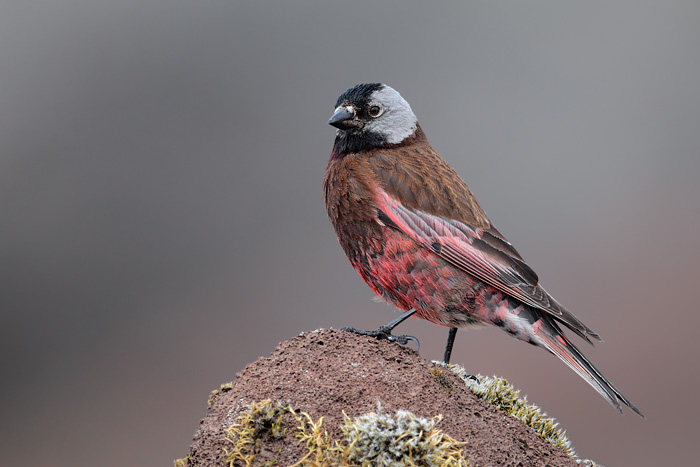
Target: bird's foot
(384, 332)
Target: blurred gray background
(163, 222)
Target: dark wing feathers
(494, 238)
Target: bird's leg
(448, 346)
(448, 351)
(384, 332)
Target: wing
(480, 251)
(484, 254)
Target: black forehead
(359, 94)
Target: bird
(415, 233)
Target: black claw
(474, 378)
(411, 338)
(403, 340)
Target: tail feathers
(572, 322)
(554, 340)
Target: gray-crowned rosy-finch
(416, 234)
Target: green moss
(322, 450)
(181, 462)
(440, 378)
(373, 439)
(252, 423)
(224, 388)
(499, 393)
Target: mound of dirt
(327, 372)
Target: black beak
(344, 119)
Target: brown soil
(327, 372)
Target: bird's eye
(374, 110)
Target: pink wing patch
(462, 246)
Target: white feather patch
(398, 121)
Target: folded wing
(481, 252)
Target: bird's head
(371, 115)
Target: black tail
(553, 339)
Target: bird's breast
(350, 191)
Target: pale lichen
(381, 439)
